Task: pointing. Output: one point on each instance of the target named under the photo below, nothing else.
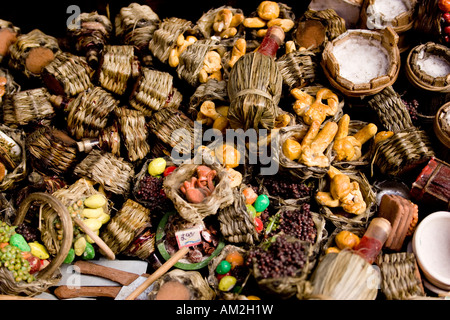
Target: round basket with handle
(50, 275)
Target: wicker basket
(25, 44)
(401, 24)
(7, 26)
(112, 172)
(135, 25)
(338, 216)
(418, 77)
(164, 38)
(212, 90)
(391, 110)
(153, 91)
(221, 197)
(206, 22)
(68, 196)
(441, 126)
(122, 229)
(117, 68)
(404, 151)
(28, 106)
(212, 277)
(132, 124)
(89, 33)
(298, 68)
(20, 171)
(236, 224)
(67, 75)
(89, 112)
(400, 276)
(51, 151)
(51, 274)
(386, 40)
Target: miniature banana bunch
(226, 23)
(182, 43)
(212, 116)
(268, 16)
(311, 109)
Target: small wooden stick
(101, 244)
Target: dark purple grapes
(285, 189)
(412, 107)
(298, 224)
(151, 194)
(29, 233)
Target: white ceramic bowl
(431, 245)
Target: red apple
(169, 170)
(446, 17)
(35, 263)
(447, 30)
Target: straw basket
(197, 286)
(386, 40)
(337, 215)
(212, 90)
(212, 277)
(133, 128)
(391, 110)
(153, 91)
(192, 60)
(51, 151)
(206, 22)
(236, 224)
(67, 74)
(135, 25)
(50, 275)
(125, 225)
(16, 165)
(7, 26)
(221, 197)
(316, 28)
(404, 151)
(117, 68)
(27, 43)
(418, 77)
(401, 24)
(68, 196)
(298, 68)
(400, 276)
(28, 106)
(441, 126)
(112, 172)
(174, 129)
(358, 230)
(164, 38)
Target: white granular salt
(433, 65)
(360, 60)
(381, 13)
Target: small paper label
(189, 237)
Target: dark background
(51, 16)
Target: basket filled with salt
(374, 66)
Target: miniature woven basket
(88, 113)
(112, 172)
(25, 44)
(192, 60)
(358, 230)
(164, 38)
(68, 196)
(386, 40)
(298, 68)
(400, 276)
(405, 150)
(124, 226)
(391, 110)
(153, 91)
(132, 124)
(212, 276)
(420, 78)
(212, 90)
(206, 22)
(50, 275)
(117, 70)
(236, 224)
(221, 197)
(338, 216)
(441, 126)
(401, 24)
(67, 74)
(51, 151)
(174, 129)
(20, 171)
(89, 33)
(28, 106)
(328, 24)
(15, 31)
(197, 285)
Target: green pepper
(89, 252)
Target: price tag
(189, 237)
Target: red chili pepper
(169, 170)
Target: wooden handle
(65, 292)
(101, 244)
(119, 276)
(158, 273)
